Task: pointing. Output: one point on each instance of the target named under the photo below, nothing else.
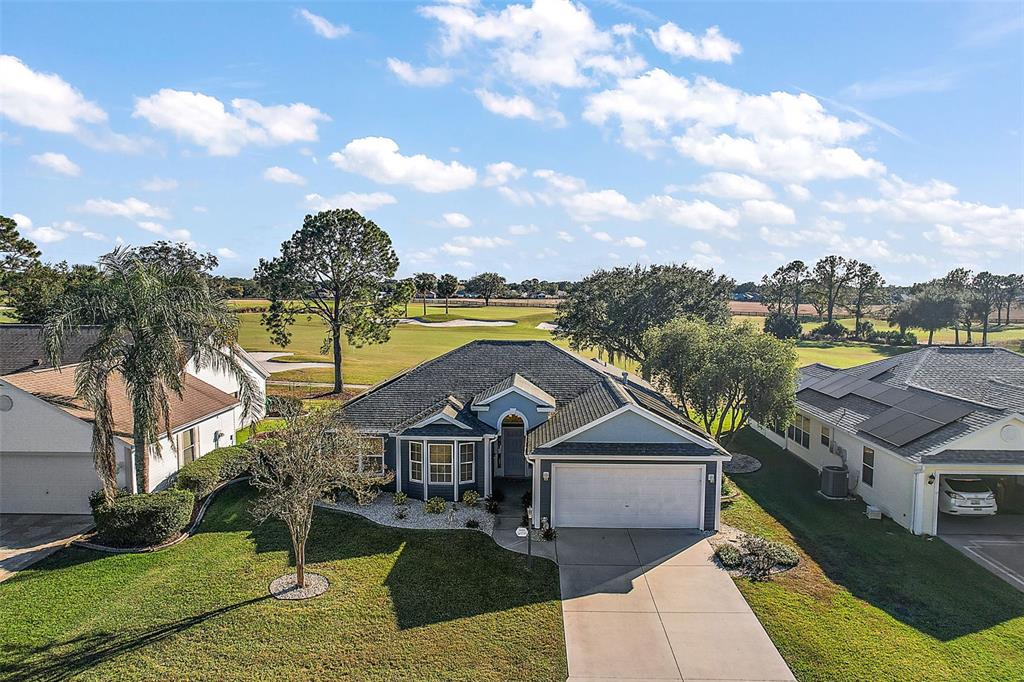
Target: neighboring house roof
(57, 387)
(581, 391)
(250, 360)
(22, 347)
(980, 386)
(975, 457)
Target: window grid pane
(467, 453)
(440, 463)
(416, 462)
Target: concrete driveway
(27, 538)
(651, 605)
(995, 542)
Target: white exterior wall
(162, 468)
(21, 426)
(225, 381)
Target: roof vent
(625, 377)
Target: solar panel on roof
(917, 403)
(879, 420)
(903, 420)
(840, 389)
(947, 411)
(892, 396)
(912, 432)
(869, 389)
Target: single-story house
(900, 424)
(46, 461)
(597, 446)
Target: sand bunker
(547, 326)
(460, 323)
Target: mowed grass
(412, 344)
(1003, 335)
(403, 605)
(869, 601)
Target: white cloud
(95, 236)
(520, 230)
(46, 235)
(798, 192)
(601, 236)
(323, 27)
(830, 236)
(517, 106)
(695, 215)
(601, 205)
(354, 200)
(564, 236)
(205, 121)
(457, 220)
(771, 212)
(465, 245)
(43, 100)
(549, 43)
(224, 252)
(954, 223)
(59, 163)
(560, 181)
(22, 221)
(633, 242)
(732, 186)
(160, 185)
(712, 46)
(283, 175)
(502, 173)
(157, 228)
(704, 256)
(519, 197)
(130, 208)
(424, 76)
(378, 158)
(200, 209)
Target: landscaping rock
(285, 587)
(382, 511)
(741, 464)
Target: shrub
(206, 473)
(783, 554)
(470, 498)
(729, 555)
(727, 488)
(498, 495)
(831, 330)
(401, 513)
(400, 499)
(549, 533)
(492, 506)
(435, 505)
(283, 406)
(865, 329)
(143, 520)
(472, 523)
(527, 499)
(893, 338)
(782, 326)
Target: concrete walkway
(27, 538)
(651, 605)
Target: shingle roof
(987, 381)
(624, 449)
(57, 387)
(976, 457)
(22, 347)
(581, 390)
(515, 380)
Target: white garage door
(627, 495)
(40, 483)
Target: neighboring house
(600, 448)
(902, 423)
(46, 461)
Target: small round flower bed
(142, 520)
(756, 557)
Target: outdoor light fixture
(931, 479)
(711, 478)
(547, 475)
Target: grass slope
(869, 600)
(412, 344)
(403, 605)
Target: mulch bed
(741, 464)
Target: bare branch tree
(311, 457)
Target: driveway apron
(652, 605)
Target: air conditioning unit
(835, 482)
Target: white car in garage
(966, 497)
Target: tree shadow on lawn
(61, 660)
(878, 349)
(919, 581)
(438, 575)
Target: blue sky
(544, 139)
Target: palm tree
(156, 318)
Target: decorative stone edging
(184, 535)
(382, 512)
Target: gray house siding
(525, 406)
(390, 459)
(627, 427)
(415, 490)
(710, 489)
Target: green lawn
(412, 344)
(403, 605)
(870, 601)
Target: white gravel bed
(382, 511)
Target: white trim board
(440, 416)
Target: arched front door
(513, 445)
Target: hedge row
(203, 475)
(144, 519)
